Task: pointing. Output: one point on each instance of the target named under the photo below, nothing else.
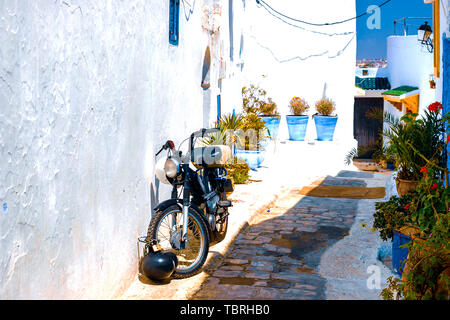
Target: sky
(372, 43)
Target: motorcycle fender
(170, 202)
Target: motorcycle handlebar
(201, 133)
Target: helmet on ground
(159, 265)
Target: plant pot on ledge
(404, 186)
(272, 125)
(297, 127)
(399, 255)
(298, 121)
(325, 122)
(254, 158)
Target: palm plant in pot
(415, 142)
(324, 119)
(298, 121)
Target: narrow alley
(303, 248)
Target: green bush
(238, 171)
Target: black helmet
(159, 265)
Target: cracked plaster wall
(89, 90)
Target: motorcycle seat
(211, 156)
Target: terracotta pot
(404, 186)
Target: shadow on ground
(278, 256)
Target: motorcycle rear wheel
(191, 259)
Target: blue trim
(446, 84)
(174, 22)
(219, 108)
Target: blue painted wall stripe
(219, 108)
(446, 83)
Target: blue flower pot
(325, 127)
(297, 127)
(273, 125)
(399, 255)
(253, 158)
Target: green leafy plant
(229, 125)
(325, 107)
(392, 215)
(253, 130)
(412, 141)
(298, 106)
(238, 171)
(427, 269)
(426, 274)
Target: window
(174, 24)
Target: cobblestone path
(279, 253)
(277, 258)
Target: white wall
(410, 64)
(288, 61)
(89, 90)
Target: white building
(89, 91)
(294, 59)
(411, 64)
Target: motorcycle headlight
(172, 168)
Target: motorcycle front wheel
(166, 228)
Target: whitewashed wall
(410, 64)
(89, 91)
(310, 62)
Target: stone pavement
(304, 248)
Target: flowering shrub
(427, 270)
(392, 215)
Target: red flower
(406, 207)
(423, 169)
(448, 138)
(436, 106)
(434, 187)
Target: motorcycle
(196, 215)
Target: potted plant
(269, 113)
(413, 142)
(255, 101)
(253, 131)
(324, 120)
(298, 121)
(393, 220)
(427, 267)
(251, 139)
